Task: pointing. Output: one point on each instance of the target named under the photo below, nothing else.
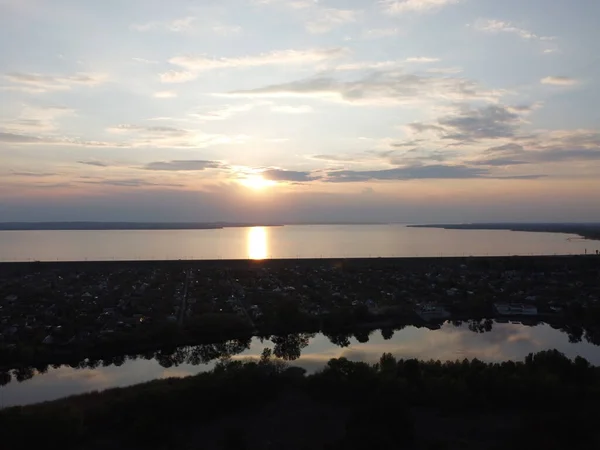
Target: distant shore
(98, 226)
(589, 231)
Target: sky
(300, 110)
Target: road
(183, 307)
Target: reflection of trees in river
(287, 347)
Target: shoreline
(585, 231)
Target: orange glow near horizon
(257, 182)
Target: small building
(515, 309)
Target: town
(53, 307)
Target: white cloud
(36, 119)
(445, 70)
(227, 30)
(165, 94)
(379, 65)
(497, 26)
(394, 7)
(559, 81)
(184, 24)
(222, 113)
(37, 83)
(318, 19)
(176, 76)
(376, 33)
(289, 109)
(144, 61)
(328, 18)
(276, 57)
(141, 136)
(422, 59)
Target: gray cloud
(382, 87)
(13, 138)
(183, 165)
(33, 174)
(500, 162)
(35, 82)
(337, 158)
(491, 122)
(574, 146)
(94, 163)
(131, 182)
(419, 172)
(416, 172)
(287, 175)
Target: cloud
(381, 88)
(553, 147)
(223, 112)
(494, 121)
(227, 30)
(33, 174)
(328, 18)
(388, 64)
(289, 109)
(422, 59)
(165, 94)
(444, 70)
(276, 57)
(183, 165)
(131, 182)
(38, 83)
(287, 175)
(184, 24)
(395, 7)
(94, 163)
(377, 33)
(559, 81)
(497, 26)
(176, 76)
(145, 61)
(36, 119)
(490, 122)
(338, 158)
(416, 172)
(499, 162)
(169, 137)
(12, 138)
(318, 19)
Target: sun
(257, 182)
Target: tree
(387, 333)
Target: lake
(297, 241)
(506, 341)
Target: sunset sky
(300, 110)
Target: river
(505, 341)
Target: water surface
(504, 342)
(301, 241)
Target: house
(515, 309)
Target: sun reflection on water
(257, 243)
